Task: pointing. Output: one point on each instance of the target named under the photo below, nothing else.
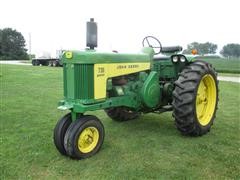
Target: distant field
(224, 65)
(229, 74)
(147, 148)
(220, 64)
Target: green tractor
(128, 85)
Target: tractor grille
(83, 81)
(78, 81)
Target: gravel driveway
(15, 63)
(229, 78)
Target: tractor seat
(171, 49)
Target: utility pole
(30, 46)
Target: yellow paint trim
(104, 71)
(88, 139)
(206, 99)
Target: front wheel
(84, 137)
(195, 99)
(59, 132)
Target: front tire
(121, 114)
(195, 99)
(59, 132)
(84, 137)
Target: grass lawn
(229, 75)
(225, 65)
(147, 148)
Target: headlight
(182, 59)
(175, 59)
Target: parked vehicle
(43, 61)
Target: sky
(122, 24)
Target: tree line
(229, 50)
(12, 46)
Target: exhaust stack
(91, 34)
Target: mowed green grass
(225, 65)
(147, 148)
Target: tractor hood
(93, 57)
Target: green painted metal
(144, 91)
(93, 57)
(78, 81)
(83, 81)
(74, 115)
(191, 58)
(150, 92)
(75, 106)
(165, 68)
(69, 75)
(149, 51)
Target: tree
(231, 50)
(12, 45)
(202, 48)
(190, 47)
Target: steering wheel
(151, 41)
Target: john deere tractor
(128, 85)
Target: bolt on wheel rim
(206, 99)
(88, 139)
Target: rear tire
(121, 114)
(59, 132)
(195, 99)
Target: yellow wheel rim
(88, 139)
(206, 99)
